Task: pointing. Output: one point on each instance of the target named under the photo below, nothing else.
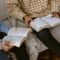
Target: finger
(6, 47)
(28, 23)
(6, 43)
(56, 14)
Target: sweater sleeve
(14, 9)
(55, 5)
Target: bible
(52, 21)
(14, 40)
(44, 22)
(17, 36)
(19, 31)
(37, 24)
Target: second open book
(44, 22)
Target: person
(3, 53)
(3, 32)
(7, 49)
(26, 10)
(3, 48)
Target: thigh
(46, 37)
(43, 33)
(21, 52)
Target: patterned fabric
(33, 8)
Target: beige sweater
(33, 8)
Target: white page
(14, 40)
(38, 24)
(49, 16)
(52, 21)
(19, 31)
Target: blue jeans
(4, 55)
(4, 27)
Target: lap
(3, 55)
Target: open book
(52, 21)
(19, 31)
(37, 24)
(17, 36)
(14, 40)
(44, 22)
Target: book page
(52, 21)
(38, 24)
(19, 31)
(14, 40)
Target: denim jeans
(4, 27)
(46, 37)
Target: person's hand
(27, 20)
(56, 14)
(6, 46)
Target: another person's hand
(6, 46)
(56, 14)
(27, 20)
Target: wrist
(25, 17)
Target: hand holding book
(44, 22)
(56, 14)
(27, 20)
(6, 45)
